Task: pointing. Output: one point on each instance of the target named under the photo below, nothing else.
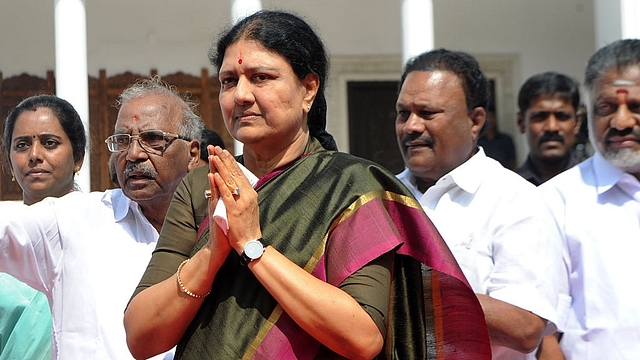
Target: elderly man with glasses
(87, 252)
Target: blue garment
(25, 321)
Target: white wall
(169, 35)
(544, 35)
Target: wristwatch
(252, 250)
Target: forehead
(42, 120)
(614, 79)
(149, 112)
(545, 102)
(432, 86)
(250, 53)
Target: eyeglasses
(152, 141)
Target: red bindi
(136, 117)
(239, 61)
(240, 57)
(622, 95)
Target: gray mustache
(615, 132)
(146, 170)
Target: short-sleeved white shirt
(87, 253)
(597, 207)
(502, 234)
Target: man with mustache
(597, 207)
(87, 252)
(548, 117)
(495, 222)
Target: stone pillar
(72, 81)
(615, 19)
(417, 27)
(630, 11)
(239, 10)
(242, 8)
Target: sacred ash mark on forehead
(623, 82)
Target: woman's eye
(21, 146)
(228, 82)
(50, 144)
(261, 77)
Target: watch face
(253, 249)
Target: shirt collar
(605, 174)
(119, 203)
(410, 182)
(468, 176)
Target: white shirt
(503, 236)
(597, 207)
(87, 253)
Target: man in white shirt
(597, 207)
(497, 226)
(87, 252)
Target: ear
(521, 122)
(194, 155)
(477, 116)
(78, 164)
(10, 166)
(576, 129)
(311, 83)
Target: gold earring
(77, 170)
(13, 177)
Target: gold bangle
(184, 289)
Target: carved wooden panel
(12, 91)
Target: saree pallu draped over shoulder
(331, 214)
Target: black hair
(551, 84)
(463, 65)
(292, 38)
(209, 137)
(68, 116)
(618, 55)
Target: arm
(527, 273)
(327, 313)
(157, 317)
(511, 326)
(550, 348)
(30, 246)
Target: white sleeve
(30, 247)
(529, 271)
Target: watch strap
(245, 259)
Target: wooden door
(372, 122)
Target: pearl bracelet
(184, 289)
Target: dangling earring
(13, 177)
(77, 170)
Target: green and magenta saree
(332, 214)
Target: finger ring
(236, 191)
(207, 194)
